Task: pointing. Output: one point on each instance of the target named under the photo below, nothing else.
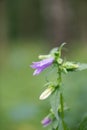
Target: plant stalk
(61, 96)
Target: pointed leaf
(54, 100)
(55, 124)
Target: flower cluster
(53, 89)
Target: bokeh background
(29, 28)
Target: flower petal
(37, 71)
(41, 65)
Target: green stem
(61, 97)
(61, 102)
(62, 110)
(59, 79)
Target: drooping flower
(46, 121)
(41, 65)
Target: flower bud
(44, 56)
(47, 93)
(46, 121)
(59, 60)
(69, 66)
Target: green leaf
(65, 126)
(82, 66)
(61, 46)
(55, 124)
(55, 100)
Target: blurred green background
(29, 28)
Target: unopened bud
(70, 66)
(59, 60)
(44, 56)
(46, 93)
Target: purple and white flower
(41, 65)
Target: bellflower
(41, 65)
(46, 121)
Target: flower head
(46, 121)
(41, 65)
